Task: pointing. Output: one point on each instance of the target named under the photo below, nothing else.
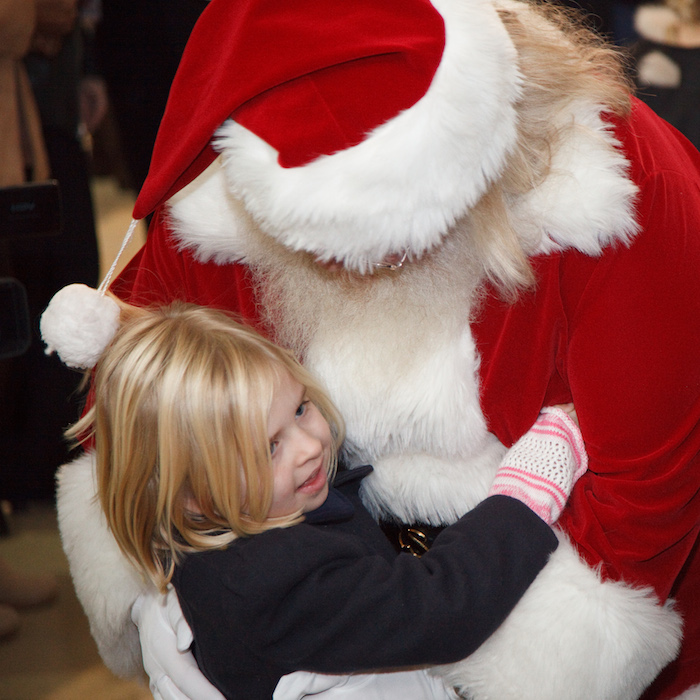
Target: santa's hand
(165, 640)
(542, 467)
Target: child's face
(300, 442)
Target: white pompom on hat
(78, 324)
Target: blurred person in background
(38, 393)
(667, 59)
(138, 47)
(23, 159)
(612, 19)
(22, 153)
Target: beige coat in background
(18, 111)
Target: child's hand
(540, 470)
(569, 409)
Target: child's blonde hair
(182, 398)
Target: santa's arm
(634, 372)
(602, 627)
(572, 637)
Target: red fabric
(618, 334)
(353, 65)
(160, 274)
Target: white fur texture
(106, 584)
(410, 405)
(214, 224)
(208, 220)
(399, 487)
(412, 177)
(573, 637)
(78, 324)
(588, 201)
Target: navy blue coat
(331, 594)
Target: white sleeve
(105, 582)
(407, 685)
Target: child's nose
(309, 446)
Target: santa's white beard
(395, 352)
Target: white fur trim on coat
(412, 177)
(105, 583)
(587, 202)
(573, 637)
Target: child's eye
(302, 408)
(273, 447)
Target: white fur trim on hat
(412, 177)
(78, 324)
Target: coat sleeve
(633, 365)
(305, 598)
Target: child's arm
(333, 604)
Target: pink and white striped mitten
(542, 467)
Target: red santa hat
(349, 129)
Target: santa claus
(455, 213)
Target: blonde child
(216, 465)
